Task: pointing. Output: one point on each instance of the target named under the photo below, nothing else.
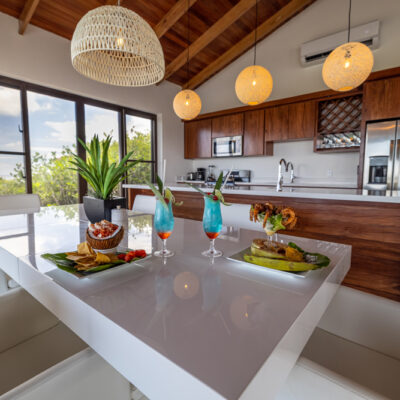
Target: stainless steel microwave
(227, 146)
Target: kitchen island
(369, 223)
(188, 327)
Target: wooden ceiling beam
(263, 30)
(26, 15)
(209, 35)
(172, 16)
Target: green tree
(57, 184)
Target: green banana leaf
(61, 261)
(312, 258)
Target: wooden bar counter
(371, 227)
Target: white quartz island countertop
(328, 193)
(187, 327)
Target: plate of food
(87, 261)
(288, 258)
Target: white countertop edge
(297, 183)
(134, 359)
(260, 192)
(285, 355)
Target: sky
(51, 125)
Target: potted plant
(103, 176)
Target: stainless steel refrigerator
(382, 157)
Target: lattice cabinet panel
(339, 123)
(340, 115)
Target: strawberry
(121, 256)
(128, 258)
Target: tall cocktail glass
(164, 225)
(212, 224)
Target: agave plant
(97, 170)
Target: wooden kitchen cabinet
(253, 138)
(302, 120)
(198, 139)
(276, 123)
(227, 125)
(381, 99)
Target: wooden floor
(372, 229)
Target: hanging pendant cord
(348, 28)
(255, 34)
(188, 34)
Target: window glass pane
(138, 137)
(52, 137)
(103, 122)
(12, 174)
(140, 172)
(10, 119)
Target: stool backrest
(144, 204)
(19, 203)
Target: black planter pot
(98, 209)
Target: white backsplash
(327, 168)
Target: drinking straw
(163, 172)
(227, 177)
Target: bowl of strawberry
(132, 255)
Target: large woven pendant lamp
(187, 103)
(254, 84)
(349, 65)
(114, 45)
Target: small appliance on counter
(236, 176)
(191, 176)
(201, 174)
(382, 157)
(227, 146)
(211, 176)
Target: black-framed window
(39, 128)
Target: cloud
(64, 132)
(14, 145)
(105, 123)
(39, 102)
(10, 102)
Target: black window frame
(80, 102)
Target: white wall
(279, 52)
(44, 58)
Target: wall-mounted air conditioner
(316, 51)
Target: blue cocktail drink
(164, 225)
(212, 224)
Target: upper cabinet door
(227, 125)
(381, 99)
(253, 133)
(276, 123)
(301, 120)
(198, 139)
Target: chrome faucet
(280, 174)
(291, 171)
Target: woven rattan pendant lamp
(349, 65)
(187, 103)
(254, 84)
(114, 45)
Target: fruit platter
(281, 257)
(86, 261)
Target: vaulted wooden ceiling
(220, 30)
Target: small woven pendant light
(114, 45)
(254, 84)
(349, 65)
(187, 103)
